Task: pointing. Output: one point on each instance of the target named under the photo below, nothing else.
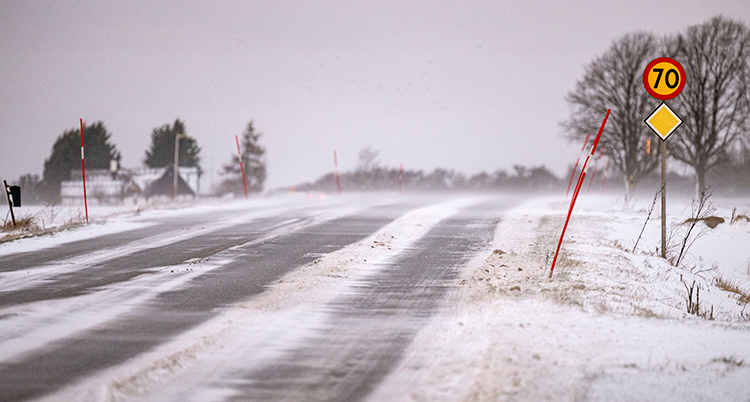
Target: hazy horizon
(471, 86)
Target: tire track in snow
(367, 331)
(12, 282)
(209, 362)
(31, 326)
(251, 268)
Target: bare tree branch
(614, 81)
(714, 103)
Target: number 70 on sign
(664, 78)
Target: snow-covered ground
(107, 218)
(50, 216)
(611, 324)
(49, 219)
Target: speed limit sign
(664, 78)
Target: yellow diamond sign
(663, 121)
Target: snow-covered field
(611, 324)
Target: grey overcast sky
(470, 85)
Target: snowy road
(288, 300)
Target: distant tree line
(370, 176)
(387, 179)
(730, 178)
(99, 151)
(715, 103)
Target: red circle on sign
(662, 78)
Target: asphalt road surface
(77, 310)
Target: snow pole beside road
(336, 169)
(604, 177)
(242, 168)
(596, 167)
(583, 148)
(400, 177)
(578, 189)
(83, 170)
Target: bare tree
(615, 81)
(714, 104)
(368, 159)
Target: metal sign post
(663, 199)
(664, 79)
(663, 121)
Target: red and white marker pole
(336, 170)
(242, 168)
(577, 190)
(606, 174)
(596, 168)
(83, 169)
(400, 177)
(583, 148)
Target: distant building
(106, 186)
(164, 185)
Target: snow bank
(611, 325)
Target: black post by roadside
(10, 203)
